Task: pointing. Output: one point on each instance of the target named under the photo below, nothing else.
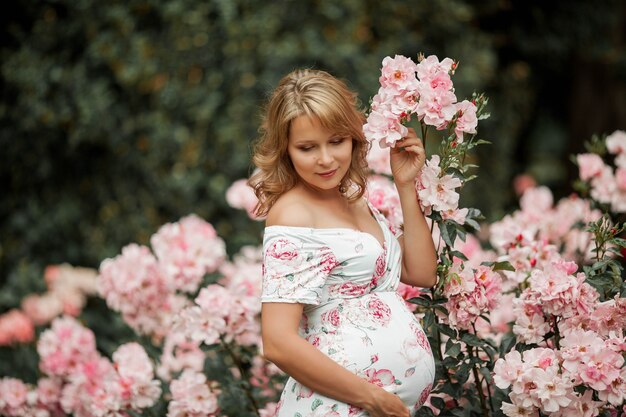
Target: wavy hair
(313, 93)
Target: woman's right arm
(283, 346)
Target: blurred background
(119, 116)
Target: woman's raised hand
(407, 159)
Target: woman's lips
(328, 174)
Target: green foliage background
(119, 116)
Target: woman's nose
(325, 157)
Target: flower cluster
(193, 396)
(79, 380)
(470, 294)
(544, 379)
(607, 186)
(554, 293)
(143, 287)
(219, 314)
(425, 90)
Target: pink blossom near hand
(193, 396)
(466, 121)
(187, 250)
(616, 142)
(16, 327)
(590, 165)
(436, 107)
(378, 159)
(241, 196)
(382, 193)
(64, 346)
(398, 73)
(136, 372)
(384, 128)
(437, 192)
(429, 67)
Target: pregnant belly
(378, 338)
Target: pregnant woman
(331, 317)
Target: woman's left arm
(419, 257)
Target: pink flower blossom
(134, 284)
(437, 192)
(384, 128)
(590, 165)
(13, 397)
(436, 107)
(378, 159)
(616, 142)
(65, 346)
(179, 354)
(429, 67)
(193, 396)
(138, 386)
(381, 192)
(241, 196)
(398, 72)
(187, 250)
(15, 327)
(466, 119)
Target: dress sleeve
(295, 266)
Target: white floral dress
(352, 312)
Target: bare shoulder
(291, 209)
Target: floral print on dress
(347, 282)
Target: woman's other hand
(386, 404)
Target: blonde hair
(312, 93)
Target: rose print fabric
(347, 281)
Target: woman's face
(320, 157)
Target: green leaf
(500, 266)
(472, 340)
(453, 350)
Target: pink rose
(466, 121)
(398, 72)
(241, 196)
(616, 142)
(590, 165)
(620, 178)
(283, 250)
